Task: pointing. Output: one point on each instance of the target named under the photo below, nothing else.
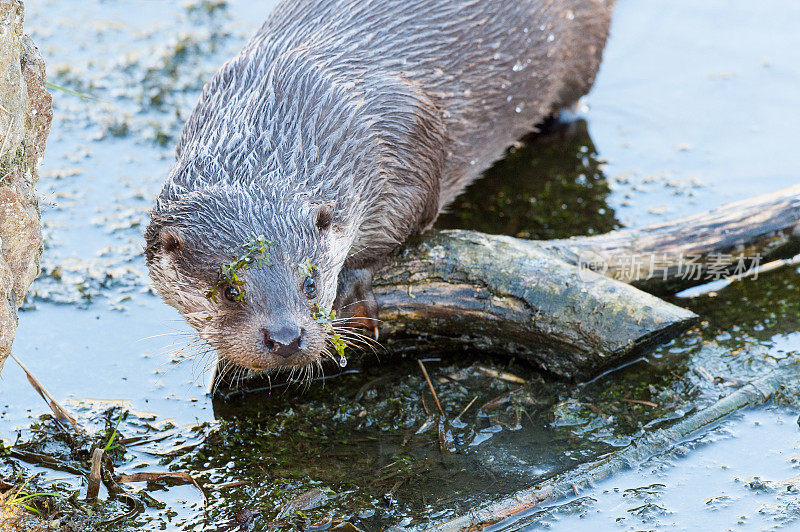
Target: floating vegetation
(72, 467)
(207, 6)
(253, 253)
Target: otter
(340, 129)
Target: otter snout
(283, 342)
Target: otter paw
(355, 300)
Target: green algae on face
(254, 253)
(327, 320)
(307, 271)
(306, 268)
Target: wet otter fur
(340, 129)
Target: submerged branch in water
(650, 444)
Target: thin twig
(502, 375)
(53, 86)
(430, 385)
(180, 477)
(648, 445)
(59, 411)
(467, 407)
(638, 402)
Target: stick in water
(59, 411)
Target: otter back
(438, 90)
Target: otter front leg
(355, 300)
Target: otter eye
(232, 293)
(309, 288)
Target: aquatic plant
(20, 496)
(53, 86)
(253, 253)
(110, 446)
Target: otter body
(343, 127)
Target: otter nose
(284, 341)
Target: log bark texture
(498, 294)
(767, 226)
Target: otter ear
(324, 217)
(162, 238)
(171, 240)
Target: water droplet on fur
(342, 362)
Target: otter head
(256, 278)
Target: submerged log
(537, 300)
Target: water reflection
(551, 185)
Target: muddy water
(692, 109)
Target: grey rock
(25, 116)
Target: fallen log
(668, 257)
(498, 294)
(540, 301)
